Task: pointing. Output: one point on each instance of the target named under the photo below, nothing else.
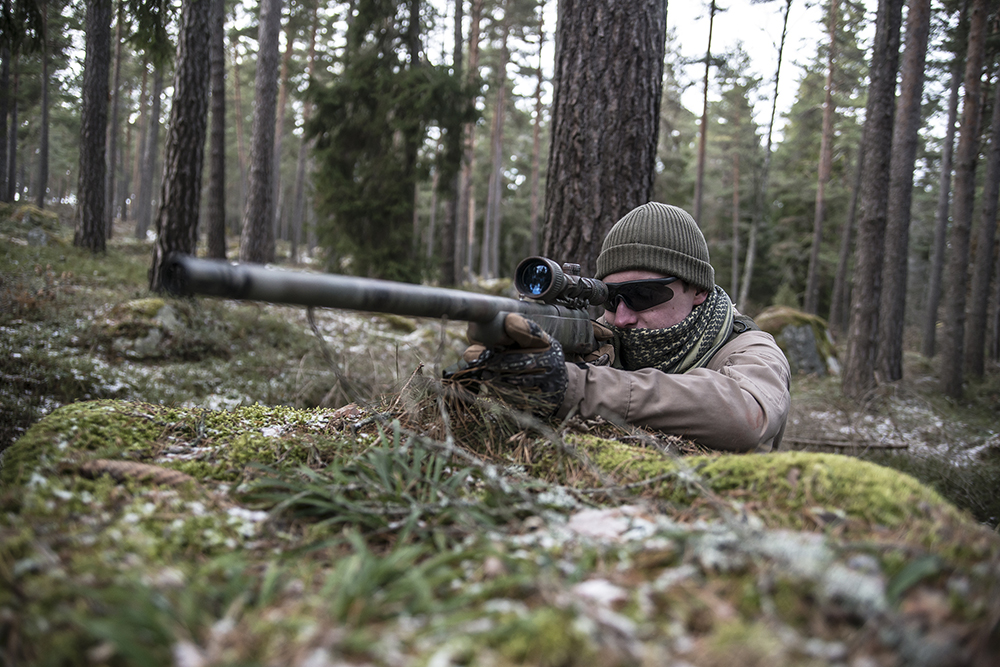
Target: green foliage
(674, 182)
(151, 20)
(412, 489)
(733, 164)
(369, 125)
(970, 485)
(793, 182)
(21, 25)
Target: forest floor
(880, 574)
(76, 327)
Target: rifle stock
(186, 276)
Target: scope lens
(536, 278)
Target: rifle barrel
(185, 275)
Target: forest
(421, 142)
(198, 481)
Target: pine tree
(368, 127)
(602, 164)
(90, 232)
(892, 307)
(177, 219)
(257, 240)
(966, 157)
(862, 340)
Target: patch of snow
(601, 591)
(610, 524)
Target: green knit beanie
(660, 238)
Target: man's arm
(739, 402)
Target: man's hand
(604, 355)
(527, 373)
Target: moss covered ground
(215, 499)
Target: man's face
(662, 316)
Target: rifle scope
(543, 279)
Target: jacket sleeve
(739, 402)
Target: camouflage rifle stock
(557, 300)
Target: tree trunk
(43, 140)
(995, 328)
(90, 232)
(862, 339)
(892, 311)
(12, 141)
(840, 302)
(536, 139)
(465, 224)
(825, 163)
(150, 153)
(113, 128)
(125, 194)
(298, 204)
(489, 260)
(735, 266)
(762, 209)
(4, 108)
(449, 231)
(605, 122)
(935, 281)
(241, 152)
(142, 130)
(982, 268)
(280, 230)
(257, 240)
(177, 220)
(699, 182)
(965, 191)
(432, 222)
(215, 209)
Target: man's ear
(700, 296)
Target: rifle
(554, 296)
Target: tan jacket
(739, 402)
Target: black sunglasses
(639, 294)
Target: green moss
(792, 601)
(546, 637)
(790, 481)
(746, 644)
(228, 442)
(147, 307)
(94, 426)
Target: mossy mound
(210, 445)
(373, 544)
(805, 339)
(788, 489)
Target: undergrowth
(78, 326)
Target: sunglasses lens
(639, 294)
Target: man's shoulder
(753, 341)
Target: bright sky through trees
(758, 27)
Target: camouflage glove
(604, 355)
(528, 374)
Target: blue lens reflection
(537, 278)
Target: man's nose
(623, 316)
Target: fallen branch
(844, 444)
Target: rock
(805, 339)
(37, 237)
(800, 348)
